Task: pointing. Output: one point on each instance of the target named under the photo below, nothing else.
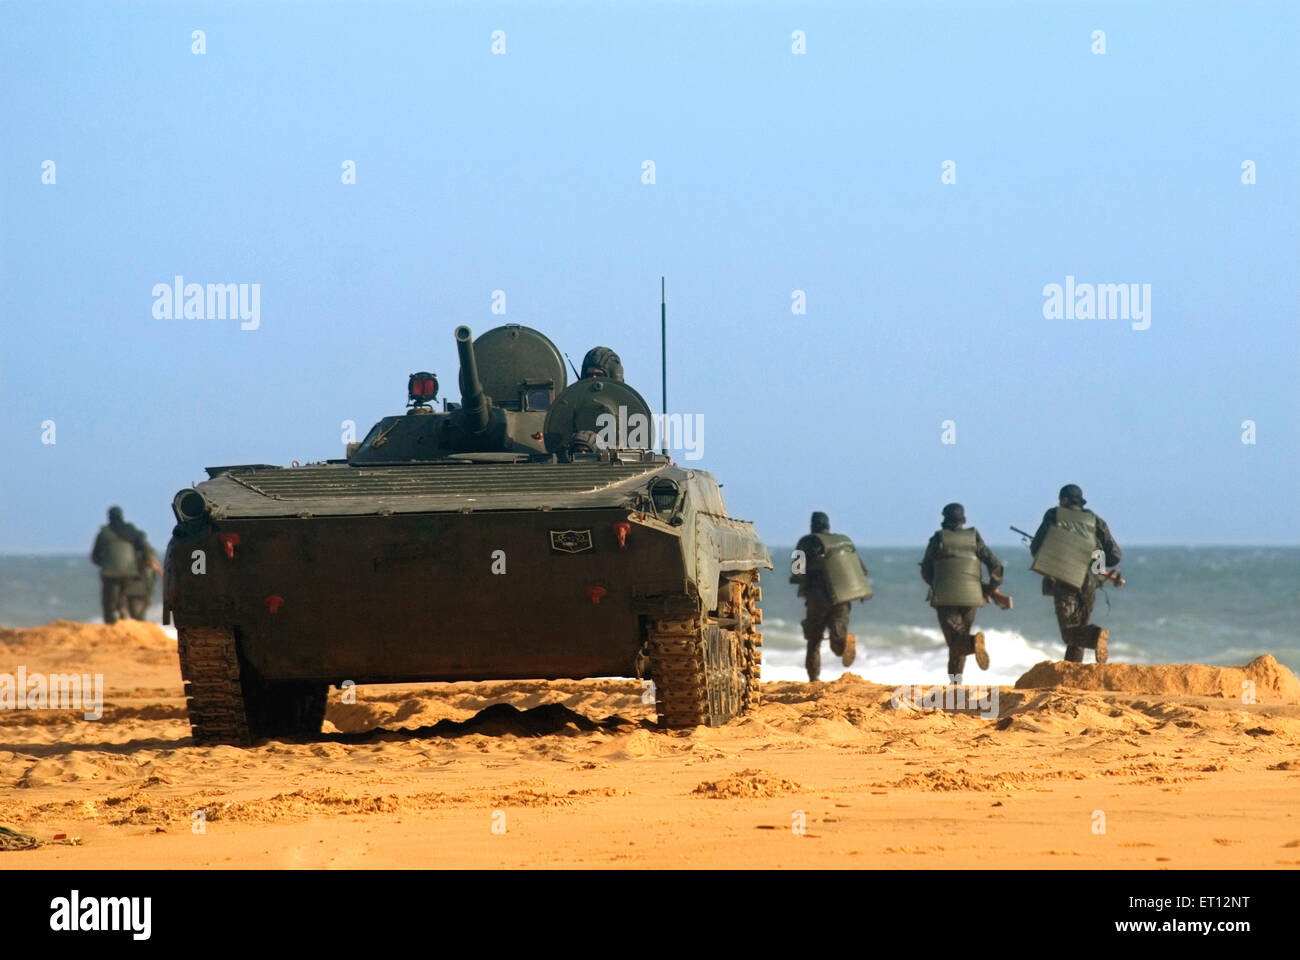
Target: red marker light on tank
(274, 603)
(595, 593)
(421, 388)
(621, 530)
(229, 541)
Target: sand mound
(141, 808)
(504, 719)
(71, 636)
(533, 796)
(944, 781)
(129, 654)
(1271, 680)
(747, 784)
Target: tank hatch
(520, 368)
(615, 413)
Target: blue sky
(775, 172)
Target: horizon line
(860, 546)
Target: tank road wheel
(210, 669)
(706, 670)
(229, 704)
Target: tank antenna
(576, 374)
(663, 358)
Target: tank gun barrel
(473, 401)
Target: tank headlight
(663, 493)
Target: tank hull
(285, 582)
(431, 597)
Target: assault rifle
(1114, 576)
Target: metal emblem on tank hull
(570, 541)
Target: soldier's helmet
(114, 514)
(1071, 493)
(954, 513)
(584, 441)
(602, 362)
(820, 522)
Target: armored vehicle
(526, 532)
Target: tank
(518, 534)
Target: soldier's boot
(850, 650)
(837, 644)
(1073, 654)
(981, 654)
(1103, 639)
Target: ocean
(1214, 605)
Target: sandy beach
(1112, 766)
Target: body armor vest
(1067, 548)
(840, 569)
(119, 556)
(957, 571)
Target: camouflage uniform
(820, 614)
(139, 591)
(1074, 605)
(114, 553)
(956, 622)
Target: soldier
(830, 578)
(951, 567)
(1068, 542)
(139, 590)
(602, 362)
(114, 554)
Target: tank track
(706, 671)
(214, 693)
(228, 704)
(751, 615)
(678, 668)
